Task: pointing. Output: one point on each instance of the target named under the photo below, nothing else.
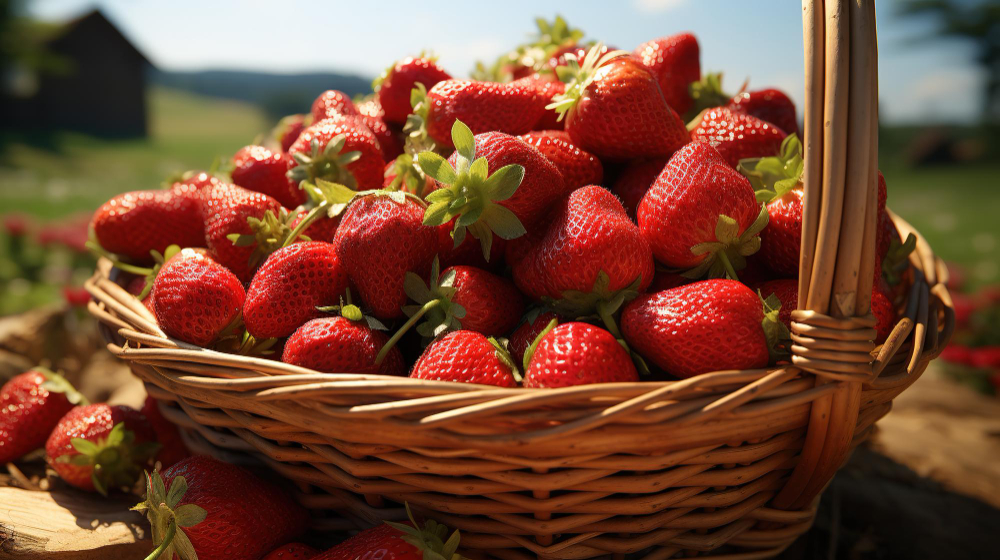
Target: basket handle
(838, 232)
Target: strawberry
(340, 149)
(288, 130)
(382, 237)
(614, 108)
(786, 290)
(511, 108)
(292, 551)
(404, 174)
(99, 447)
(258, 169)
(675, 63)
(522, 337)
(577, 354)
(393, 87)
(134, 223)
(578, 167)
(701, 215)
(388, 140)
(168, 436)
(769, 105)
(467, 357)
(737, 135)
(493, 183)
(242, 227)
(633, 182)
(587, 256)
(664, 280)
(323, 228)
(548, 87)
(290, 285)
(470, 253)
(332, 103)
(706, 326)
(31, 404)
(885, 314)
(195, 298)
(395, 541)
(343, 344)
(204, 508)
(552, 40)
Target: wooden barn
(100, 87)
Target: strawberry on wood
(31, 404)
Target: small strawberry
(332, 103)
(700, 215)
(31, 404)
(522, 337)
(398, 541)
(736, 135)
(577, 354)
(578, 167)
(675, 63)
(769, 105)
(493, 183)
(204, 508)
(242, 227)
(195, 298)
(290, 285)
(289, 128)
(614, 108)
(168, 436)
(393, 87)
(100, 447)
(134, 223)
(339, 149)
(348, 343)
(706, 326)
(292, 551)
(467, 357)
(382, 237)
(258, 169)
(323, 228)
(633, 182)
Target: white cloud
(657, 6)
(459, 58)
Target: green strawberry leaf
(465, 142)
(189, 515)
(437, 167)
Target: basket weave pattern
(728, 462)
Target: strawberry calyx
(329, 164)
(728, 253)
(431, 539)
(707, 93)
(56, 383)
(352, 312)
(434, 305)
(530, 352)
(407, 175)
(577, 77)
(470, 193)
(149, 273)
(415, 127)
(773, 177)
(502, 353)
(776, 333)
(114, 459)
(167, 519)
(267, 234)
(325, 199)
(897, 259)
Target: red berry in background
(323, 151)
(392, 89)
(16, 225)
(101, 447)
(985, 357)
(675, 63)
(288, 130)
(332, 103)
(510, 108)
(781, 240)
(527, 332)
(885, 314)
(634, 181)
(737, 135)
(771, 105)
(292, 551)
(76, 296)
(341, 345)
(578, 167)
(134, 223)
(258, 169)
(31, 404)
(172, 448)
(466, 357)
(957, 354)
(578, 354)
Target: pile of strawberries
(576, 214)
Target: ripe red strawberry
(393, 87)
(172, 447)
(675, 63)
(290, 285)
(340, 149)
(548, 87)
(737, 135)
(664, 280)
(233, 212)
(578, 354)
(332, 103)
(587, 254)
(210, 509)
(380, 239)
(195, 298)
(770, 105)
(470, 253)
(614, 108)
(635, 180)
(395, 541)
(578, 167)
(193, 181)
(885, 314)
(258, 169)
(781, 240)
(705, 326)
(343, 344)
(100, 447)
(388, 139)
(288, 130)
(527, 332)
(31, 404)
(787, 292)
(292, 551)
(467, 357)
(700, 214)
(511, 108)
(134, 223)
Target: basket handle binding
(838, 232)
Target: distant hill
(277, 94)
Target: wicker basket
(728, 463)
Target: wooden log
(67, 525)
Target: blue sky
(756, 39)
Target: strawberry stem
(305, 223)
(402, 330)
(167, 539)
(116, 262)
(729, 265)
(607, 319)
